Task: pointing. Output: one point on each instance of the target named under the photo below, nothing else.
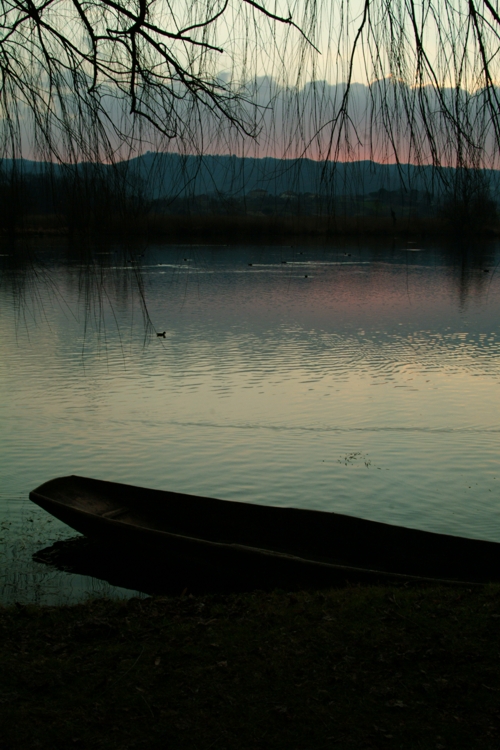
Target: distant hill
(172, 174)
(163, 175)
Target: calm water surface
(362, 381)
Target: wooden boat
(261, 544)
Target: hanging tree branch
(78, 78)
(81, 65)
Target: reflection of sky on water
(369, 387)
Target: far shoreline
(250, 228)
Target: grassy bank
(240, 229)
(367, 667)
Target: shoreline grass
(359, 667)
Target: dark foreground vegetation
(367, 667)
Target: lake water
(361, 380)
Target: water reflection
(355, 379)
(164, 576)
(83, 557)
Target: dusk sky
(284, 84)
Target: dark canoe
(264, 544)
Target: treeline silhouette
(88, 199)
(103, 199)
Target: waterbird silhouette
(163, 334)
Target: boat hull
(261, 544)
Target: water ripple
(372, 390)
